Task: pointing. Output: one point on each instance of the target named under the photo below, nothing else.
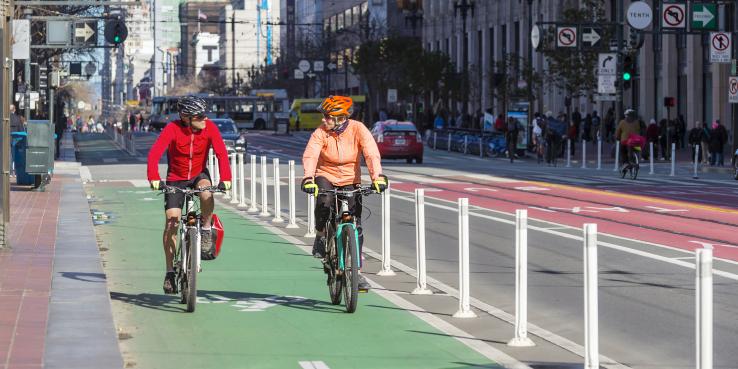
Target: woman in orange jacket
(332, 159)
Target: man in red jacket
(187, 142)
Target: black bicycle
(187, 253)
(632, 164)
(343, 259)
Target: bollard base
(252, 210)
(292, 226)
(464, 314)
(277, 220)
(386, 273)
(521, 342)
(234, 201)
(421, 291)
(309, 235)
(264, 214)
(241, 205)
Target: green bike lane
(262, 304)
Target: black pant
(324, 203)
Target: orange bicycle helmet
(337, 106)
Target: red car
(398, 140)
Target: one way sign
(85, 33)
(591, 36)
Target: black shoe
(319, 247)
(206, 244)
(364, 286)
(170, 283)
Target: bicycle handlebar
(171, 189)
(364, 190)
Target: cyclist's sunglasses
(195, 117)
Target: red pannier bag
(635, 140)
(217, 234)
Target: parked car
(234, 141)
(398, 140)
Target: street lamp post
(464, 6)
(530, 63)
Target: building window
(365, 11)
(349, 18)
(339, 22)
(357, 14)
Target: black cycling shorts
(176, 200)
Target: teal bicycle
(343, 257)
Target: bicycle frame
(189, 219)
(341, 216)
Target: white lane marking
(479, 189)
(542, 209)
(85, 174)
(484, 177)
(313, 365)
(139, 182)
(419, 178)
(532, 188)
(477, 345)
(579, 238)
(709, 245)
(665, 210)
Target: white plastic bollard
(277, 193)
(292, 223)
(704, 308)
(311, 217)
(521, 338)
(216, 171)
(568, 153)
(464, 300)
(234, 179)
(617, 157)
(421, 288)
(591, 308)
(242, 182)
(252, 201)
(696, 163)
(651, 154)
(264, 184)
(673, 159)
(386, 270)
(584, 154)
(466, 143)
(434, 140)
(448, 146)
(481, 147)
(599, 154)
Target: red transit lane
(670, 223)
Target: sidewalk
(48, 318)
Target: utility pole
(5, 87)
(465, 6)
(27, 74)
(233, 51)
(619, 9)
(530, 65)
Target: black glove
(224, 185)
(309, 186)
(381, 183)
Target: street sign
(566, 36)
(535, 37)
(85, 33)
(304, 65)
(299, 74)
(704, 16)
(720, 47)
(606, 85)
(318, 66)
(607, 64)
(21, 37)
(733, 90)
(606, 97)
(391, 95)
(639, 15)
(57, 32)
(673, 16)
(591, 36)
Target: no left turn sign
(566, 37)
(673, 16)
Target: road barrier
(386, 252)
(521, 338)
(673, 159)
(311, 217)
(277, 193)
(591, 323)
(703, 308)
(234, 179)
(264, 184)
(421, 288)
(242, 181)
(252, 201)
(584, 154)
(651, 154)
(568, 153)
(696, 161)
(292, 223)
(599, 153)
(617, 157)
(211, 159)
(464, 300)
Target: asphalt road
(646, 292)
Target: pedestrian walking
(681, 129)
(596, 126)
(571, 134)
(587, 128)
(576, 118)
(695, 140)
(663, 139)
(718, 138)
(511, 136)
(652, 135)
(609, 124)
(705, 143)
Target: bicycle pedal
(363, 290)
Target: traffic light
(628, 71)
(635, 39)
(116, 31)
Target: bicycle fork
(339, 244)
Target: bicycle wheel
(193, 237)
(351, 269)
(634, 168)
(335, 280)
(180, 266)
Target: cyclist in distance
(332, 159)
(626, 128)
(187, 141)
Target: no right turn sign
(733, 90)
